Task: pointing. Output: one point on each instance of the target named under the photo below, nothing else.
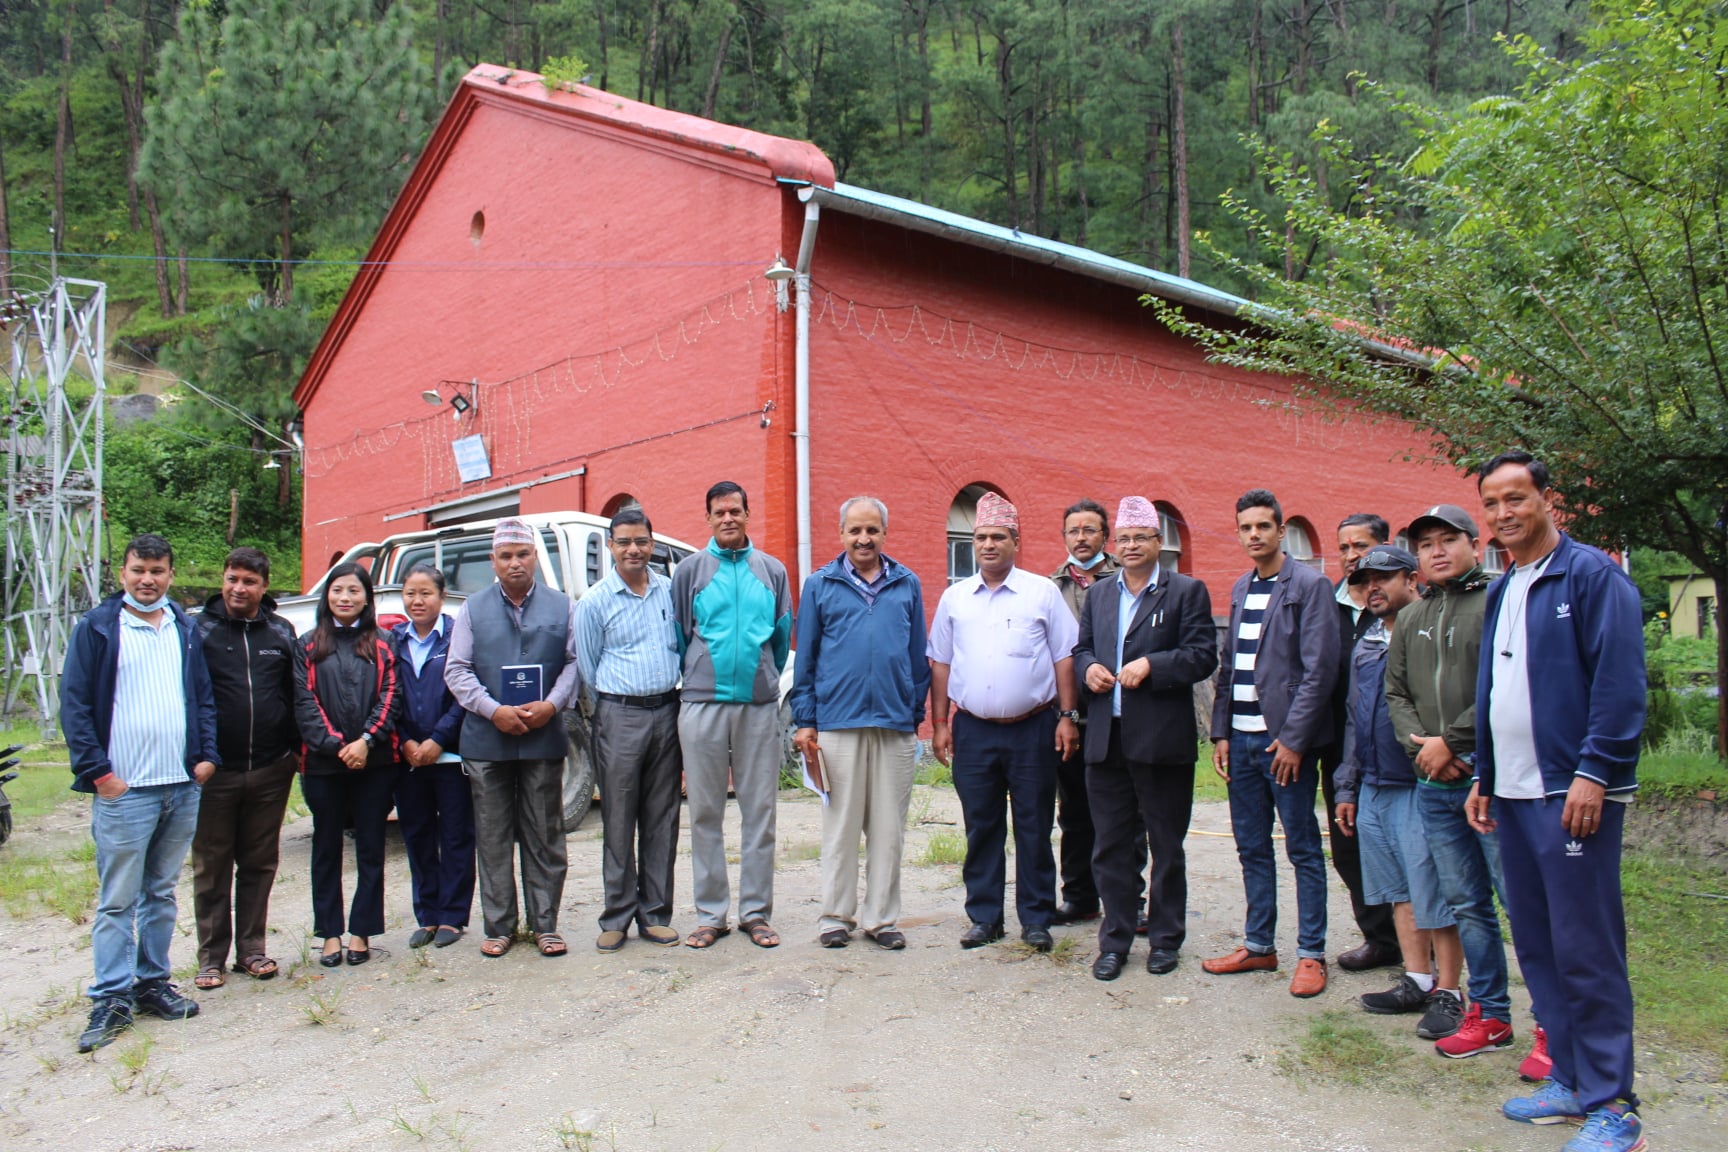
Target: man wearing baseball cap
(1377, 805)
(1431, 692)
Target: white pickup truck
(573, 557)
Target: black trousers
(1135, 806)
(364, 797)
(1074, 818)
(1375, 920)
(640, 762)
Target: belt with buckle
(663, 698)
(1044, 707)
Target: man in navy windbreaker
(860, 680)
(1559, 716)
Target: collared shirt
(628, 644)
(1245, 715)
(472, 694)
(420, 649)
(1127, 603)
(1342, 595)
(1002, 644)
(147, 737)
(870, 588)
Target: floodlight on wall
(433, 397)
(460, 403)
(780, 274)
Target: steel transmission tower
(53, 434)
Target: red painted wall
(937, 365)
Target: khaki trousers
(869, 781)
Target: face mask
(1096, 560)
(137, 605)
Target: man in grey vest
(513, 667)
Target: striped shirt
(147, 736)
(1244, 696)
(627, 644)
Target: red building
(587, 274)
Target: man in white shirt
(1003, 706)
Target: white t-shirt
(1517, 773)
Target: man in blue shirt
(627, 645)
(857, 700)
(139, 717)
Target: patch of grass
(297, 809)
(1674, 769)
(43, 782)
(323, 1007)
(811, 850)
(1338, 1047)
(1677, 949)
(1207, 786)
(935, 774)
(577, 1132)
(944, 846)
(32, 883)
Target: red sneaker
(1537, 1066)
(1475, 1035)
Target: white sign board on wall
(471, 461)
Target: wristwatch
(1070, 714)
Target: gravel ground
(738, 1047)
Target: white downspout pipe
(801, 378)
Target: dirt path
(738, 1048)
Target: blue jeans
(141, 841)
(1254, 797)
(1468, 865)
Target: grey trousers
(637, 755)
(745, 739)
(519, 804)
(869, 774)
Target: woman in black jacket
(347, 709)
(434, 807)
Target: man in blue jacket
(139, 718)
(857, 699)
(1559, 716)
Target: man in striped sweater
(1272, 716)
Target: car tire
(579, 775)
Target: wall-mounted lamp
(780, 274)
(458, 402)
(433, 397)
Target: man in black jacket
(251, 653)
(1146, 638)
(1358, 533)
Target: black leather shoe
(359, 955)
(981, 934)
(1109, 965)
(1161, 961)
(1067, 913)
(1037, 938)
(108, 1018)
(160, 998)
(1366, 956)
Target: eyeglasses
(636, 542)
(1136, 541)
(1084, 532)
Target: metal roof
(897, 210)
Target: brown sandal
(259, 967)
(209, 978)
(495, 945)
(550, 944)
(761, 934)
(705, 935)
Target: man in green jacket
(1431, 694)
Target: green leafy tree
(1548, 270)
(282, 124)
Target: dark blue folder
(523, 684)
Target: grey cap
(1383, 558)
(1450, 515)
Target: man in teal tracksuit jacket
(734, 610)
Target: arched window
(1172, 559)
(618, 503)
(1299, 543)
(1493, 558)
(962, 516)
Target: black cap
(1449, 515)
(1383, 558)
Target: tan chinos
(869, 780)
